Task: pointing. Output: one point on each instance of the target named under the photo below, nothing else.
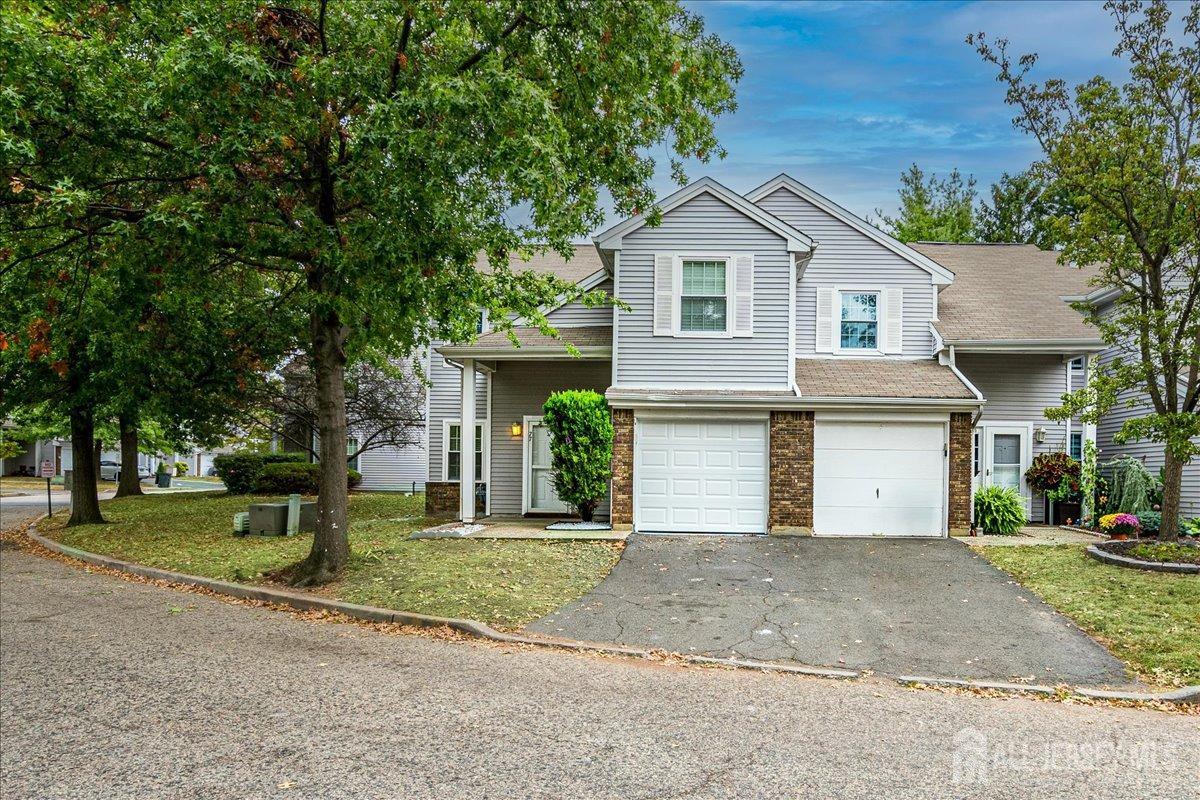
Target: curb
(306, 602)
(1116, 559)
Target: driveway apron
(898, 606)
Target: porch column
(466, 475)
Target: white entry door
(700, 476)
(879, 478)
(1007, 453)
(540, 496)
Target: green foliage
(285, 457)
(291, 477)
(1049, 469)
(181, 468)
(999, 510)
(1127, 155)
(1023, 208)
(1166, 553)
(1190, 527)
(932, 209)
(1152, 521)
(1087, 478)
(1131, 486)
(239, 471)
(581, 440)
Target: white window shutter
(825, 320)
(664, 294)
(743, 295)
(893, 309)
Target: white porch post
(466, 475)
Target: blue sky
(845, 95)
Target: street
(117, 689)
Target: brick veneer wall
(959, 516)
(791, 472)
(441, 499)
(622, 468)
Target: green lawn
(1150, 620)
(506, 583)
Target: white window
(352, 454)
(1077, 446)
(452, 450)
(704, 296)
(858, 327)
(976, 454)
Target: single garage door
(700, 476)
(879, 478)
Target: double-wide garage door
(879, 478)
(700, 476)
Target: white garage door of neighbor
(699, 476)
(879, 478)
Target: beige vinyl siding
(575, 315)
(1018, 388)
(520, 388)
(445, 402)
(845, 257)
(704, 225)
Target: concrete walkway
(898, 606)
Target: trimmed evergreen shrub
(999, 510)
(285, 458)
(581, 440)
(239, 471)
(295, 477)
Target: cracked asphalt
(112, 689)
(898, 606)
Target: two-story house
(783, 367)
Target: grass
(506, 583)
(1149, 620)
(24, 485)
(1171, 552)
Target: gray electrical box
(270, 519)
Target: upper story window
(859, 328)
(704, 296)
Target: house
(784, 367)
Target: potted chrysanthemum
(1120, 526)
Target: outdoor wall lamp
(515, 428)
(1039, 435)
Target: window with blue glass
(1077, 446)
(859, 326)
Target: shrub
(295, 477)
(180, 469)
(1190, 527)
(285, 458)
(999, 510)
(581, 439)
(239, 471)
(1132, 485)
(1048, 470)
(1120, 524)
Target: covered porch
(512, 457)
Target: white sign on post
(47, 468)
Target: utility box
(270, 519)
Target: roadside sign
(47, 470)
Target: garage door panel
(893, 492)
(853, 464)
(702, 476)
(899, 521)
(878, 436)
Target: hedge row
(272, 473)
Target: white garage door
(879, 478)
(699, 476)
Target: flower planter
(1067, 511)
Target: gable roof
(879, 378)
(940, 274)
(1009, 293)
(584, 263)
(797, 241)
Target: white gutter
(954, 368)
(1028, 345)
(530, 353)
(619, 400)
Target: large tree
(933, 209)
(1130, 156)
(1025, 208)
(362, 154)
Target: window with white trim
(452, 451)
(976, 454)
(1077, 446)
(704, 296)
(858, 327)
(352, 454)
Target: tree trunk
(130, 482)
(1172, 482)
(85, 503)
(97, 451)
(331, 545)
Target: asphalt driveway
(897, 606)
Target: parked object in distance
(110, 470)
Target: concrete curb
(307, 602)
(1100, 554)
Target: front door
(540, 496)
(1006, 457)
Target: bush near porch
(1147, 619)
(504, 583)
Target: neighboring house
(784, 367)
(1131, 405)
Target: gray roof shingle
(1008, 292)
(878, 377)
